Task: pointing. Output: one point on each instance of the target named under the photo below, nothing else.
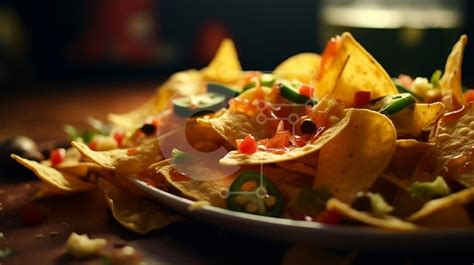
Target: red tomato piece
(57, 156)
(279, 141)
(306, 91)
(248, 145)
(469, 95)
(119, 136)
(329, 217)
(321, 118)
(93, 145)
(361, 98)
(332, 47)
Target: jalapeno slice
(290, 92)
(228, 92)
(198, 104)
(392, 104)
(265, 80)
(263, 199)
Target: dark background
(63, 42)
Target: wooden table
(41, 115)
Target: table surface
(41, 114)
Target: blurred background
(76, 41)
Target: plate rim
(365, 236)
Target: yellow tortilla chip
(232, 126)
(225, 67)
(184, 83)
(79, 169)
(60, 182)
(136, 214)
(453, 216)
(127, 161)
(406, 158)
(411, 120)
(435, 209)
(105, 159)
(208, 190)
(404, 203)
(303, 67)
(354, 159)
(354, 69)
(261, 157)
(388, 222)
(450, 82)
(453, 142)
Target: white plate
(341, 236)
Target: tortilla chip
(198, 190)
(406, 158)
(354, 159)
(232, 126)
(303, 67)
(389, 222)
(454, 140)
(261, 157)
(435, 209)
(454, 216)
(361, 72)
(105, 159)
(183, 83)
(451, 79)
(404, 203)
(124, 161)
(79, 169)
(225, 67)
(58, 182)
(298, 166)
(136, 214)
(411, 120)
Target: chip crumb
(198, 205)
(82, 246)
(53, 233)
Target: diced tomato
(93, 145)
(406, 80)
(302, 140)
(248, 145)
(454, 115)
(332, 47)
(119, 136)
(329, 217)
(57, 156)
(469, 95)
(149, 181)
(32, 214)
(361, 98)
(306, 91)
(280, 140)
(321, 118)
(178, 176)
(132, 151)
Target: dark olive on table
(19, 145)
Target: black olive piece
(362, 203)
(50, 146)
(19, 145)
(148, 129)
(308, 126)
